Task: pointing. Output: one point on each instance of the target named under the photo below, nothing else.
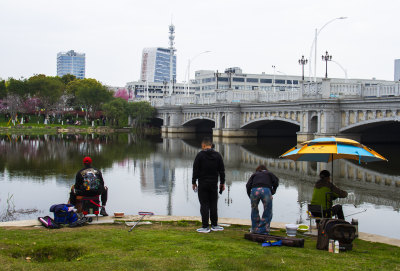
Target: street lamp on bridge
(326, 58)
(302, 62)
(314, 45)
(273, 81)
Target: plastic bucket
(291, 229)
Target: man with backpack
(207, 166)
(89, 182)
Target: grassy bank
(174, 246)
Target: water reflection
(154, 174)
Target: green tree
(48, 89)
(18, 87)
(66, 78)
(17, 92)
(141, 112)
(3, 89)
(89, 94)
(117, 112)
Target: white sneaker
(203, 230)
(217, 228)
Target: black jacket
(207, 166)
(262, 179)
(89, 182)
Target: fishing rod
(356, 213)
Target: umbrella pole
(332, 167)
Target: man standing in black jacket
(207, 166)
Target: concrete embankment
(237, 221)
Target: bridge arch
(375, 130)
(273, 126)
(202, 124)
(157, 121)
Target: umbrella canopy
(328, 149)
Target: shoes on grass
(217, 228)
(203, 230)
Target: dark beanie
(324, 173)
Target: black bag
(335, 229)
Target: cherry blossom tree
(122, 93)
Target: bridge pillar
(233, 132)
(177, 129)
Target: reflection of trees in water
(41, 156)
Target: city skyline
(255, 36)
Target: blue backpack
(63, 213)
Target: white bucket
(291, 229)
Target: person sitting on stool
(89, 182)
(324, 193)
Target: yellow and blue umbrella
(327, 149)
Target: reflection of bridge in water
(365, 185)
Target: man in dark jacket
(207, 166)
(89, 182)
(260, 187)
(324, 193)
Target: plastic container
(336, 246)
(291, 229)
(331, 245)
(302, 228)
(119, 214)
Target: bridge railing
(381, 91)
(345, 89)
(306, 90)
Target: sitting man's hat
(87, 160)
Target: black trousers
(103, 196)
(336, 210)
(208, 197)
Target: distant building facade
(209, 81)
(156, 90)
(397, 70)
(156, 65)
(71, 62)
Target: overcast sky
(252, 34)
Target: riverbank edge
(236, 221)
(71, 130)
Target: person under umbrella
(324, 193)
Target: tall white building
(156, 65)
(397, 70)
(71, 62)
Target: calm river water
(154, 174)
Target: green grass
(174, 246)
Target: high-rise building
(71, 62)
(156, 65)
(397, 70)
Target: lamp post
(317, 32)
(165, 82)
(302, 62)
(273, 81)
(188, 69)
(217, 74)
(326, 58)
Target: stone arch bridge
(307, 118)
